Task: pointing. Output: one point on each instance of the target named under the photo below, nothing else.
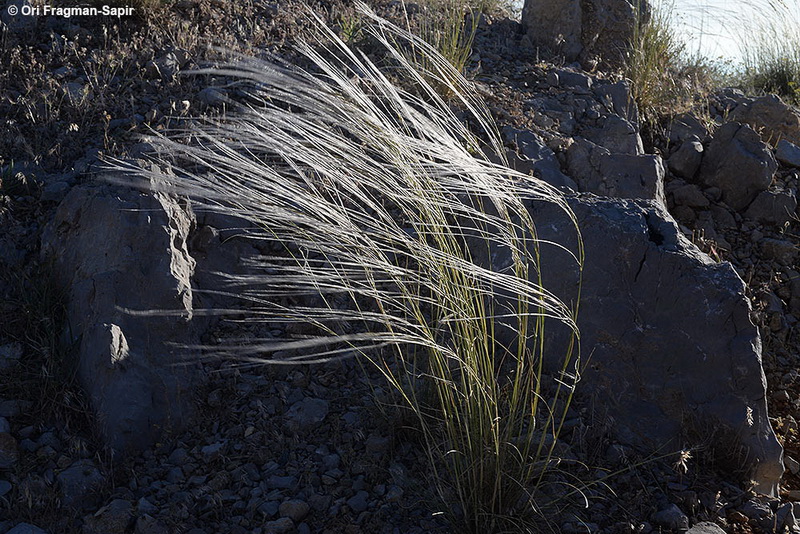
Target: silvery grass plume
(386, 213)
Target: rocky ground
(321, 448)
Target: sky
(716, 29)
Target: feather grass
(387, 220)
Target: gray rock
(359, 502)
(281, 482)
(689, 195)
(621, 100)
(114, 518)
(619, 136)
(769, 116)
(9, 357)
(554, 24)
(78, 484)
(534, 156)
(673, 350)
(569, 78)
(150, 525)
(55, 191)
(785, 519)
(672, 518)
(685, 127)
(773, 207)
(294, 509)
(211, 452)
(117, 249)
(582, 30)
(279, 526)
(685, 162)
(146, 507)
(5, 487)
(788, 153)
(307, 413)
(26, 528)
(5, 426)
(165, 67)
(756, 509)
(269, 508)
(615, 175)
(780, 250)
(9, 453)
(705, 527)
(739, 163)
(791, 464)
(211, 96)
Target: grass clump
(388, 221)
(665, 78)
(652, 60)
(771, 53)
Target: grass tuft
(387, 222)
(771, 53)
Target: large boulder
(668, 349)
(585, 30)
(115, 250)
(739, 164)
(769, 116)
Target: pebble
(26, 528)
(359, 502)
(307, 413)
(672, 518)
(279, 526)
(294, 509)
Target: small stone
(211, 96)
(791, 464)
(10, 355)
(178, 457)
(145, 507)
(5, 426)
(26, 528)
(754, 509)
(359, 502)
(279, 482)
(212, 452)
(307, 413)
(685, 162)
(672, 518)
(788, 153)
(394, 494)
(147, 524)
(5, 487)
(279, 526)
(114, 518)
(782, 251)
(294, 509)
(773, 207)
(705, 527)
(691, 196)
(78, 484)
(269, 508)
(55, 191)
